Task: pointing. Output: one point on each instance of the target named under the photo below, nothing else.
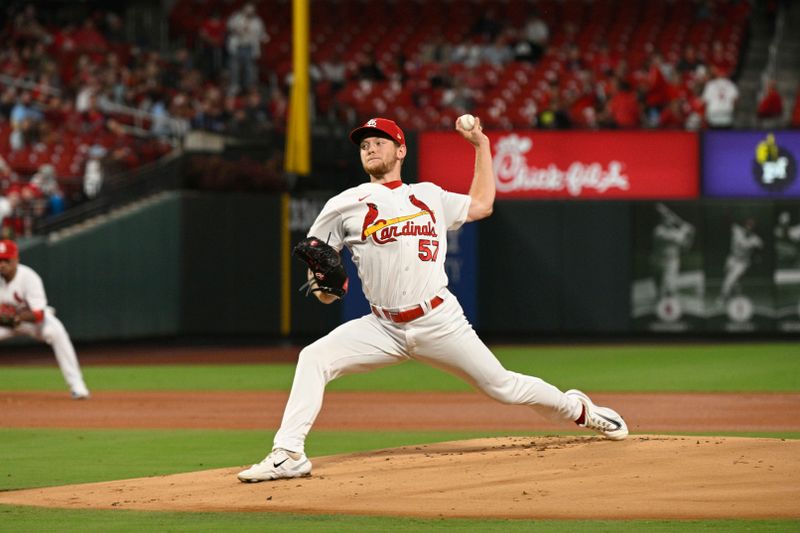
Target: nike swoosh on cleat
(360, 199)
(276, 465)
(611, 420)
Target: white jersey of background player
(743, 243)
(397, 235)
(22, 293)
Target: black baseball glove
(8, 317)
(326, 266)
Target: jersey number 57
(428, 250)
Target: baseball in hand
(467, 122)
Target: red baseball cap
(380, 127)
(8, 249)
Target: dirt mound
(513, 477)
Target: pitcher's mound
(512, 477)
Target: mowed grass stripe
(753, 367)
(21, 519)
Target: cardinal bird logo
(423, 206)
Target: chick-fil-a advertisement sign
(593, 165)
(751, 164)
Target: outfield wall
(210, 264)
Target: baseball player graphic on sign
(396, 233)
(744, 242)
(24, 311)
(671, 237)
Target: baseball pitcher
(397, 233)
(24, 311)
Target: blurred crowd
(517, 63)
(80, 99)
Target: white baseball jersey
(397, 236)
(25, 291)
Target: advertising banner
(591, 165)
(751, 164)
(739, 266)
(668, 280)
(787, 266)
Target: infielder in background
(744, 241)
(396, 233)
(24, 311)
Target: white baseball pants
(442, 338)
(52, 331)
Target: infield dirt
(514, 477)
(586, 477)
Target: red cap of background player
(381, 127)
(8, 250)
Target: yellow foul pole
(297, 157)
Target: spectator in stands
(488, 26)
(7, 207)
(536, 35)
(689, 61)
(175, 69)
(26, 25)
(7, 175)
(88, 91)
(368, 68)
(554, 117)
(695, 106)
(278, 106)
(623, 108)
(573, 58)
(8, 99)
(93, 119)
(25, 119)
(673, 116)
(721, 59)
(209, 117)
(256, 111)
(656, 89)
(90, 41)
(45, 181)
(498, 52)
(720, 95)
(770, 106)
(334, 71)
(113, 28)
(246, 33)
(602, 62)
(211, 45)
(9, 213)
(93, 174)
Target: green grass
(50, 457)
(29, 519)
(646, 368)
(42, 457)
(83, 456)
(86, 455)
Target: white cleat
(600, 419)
(277, 465)
(80, 394)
